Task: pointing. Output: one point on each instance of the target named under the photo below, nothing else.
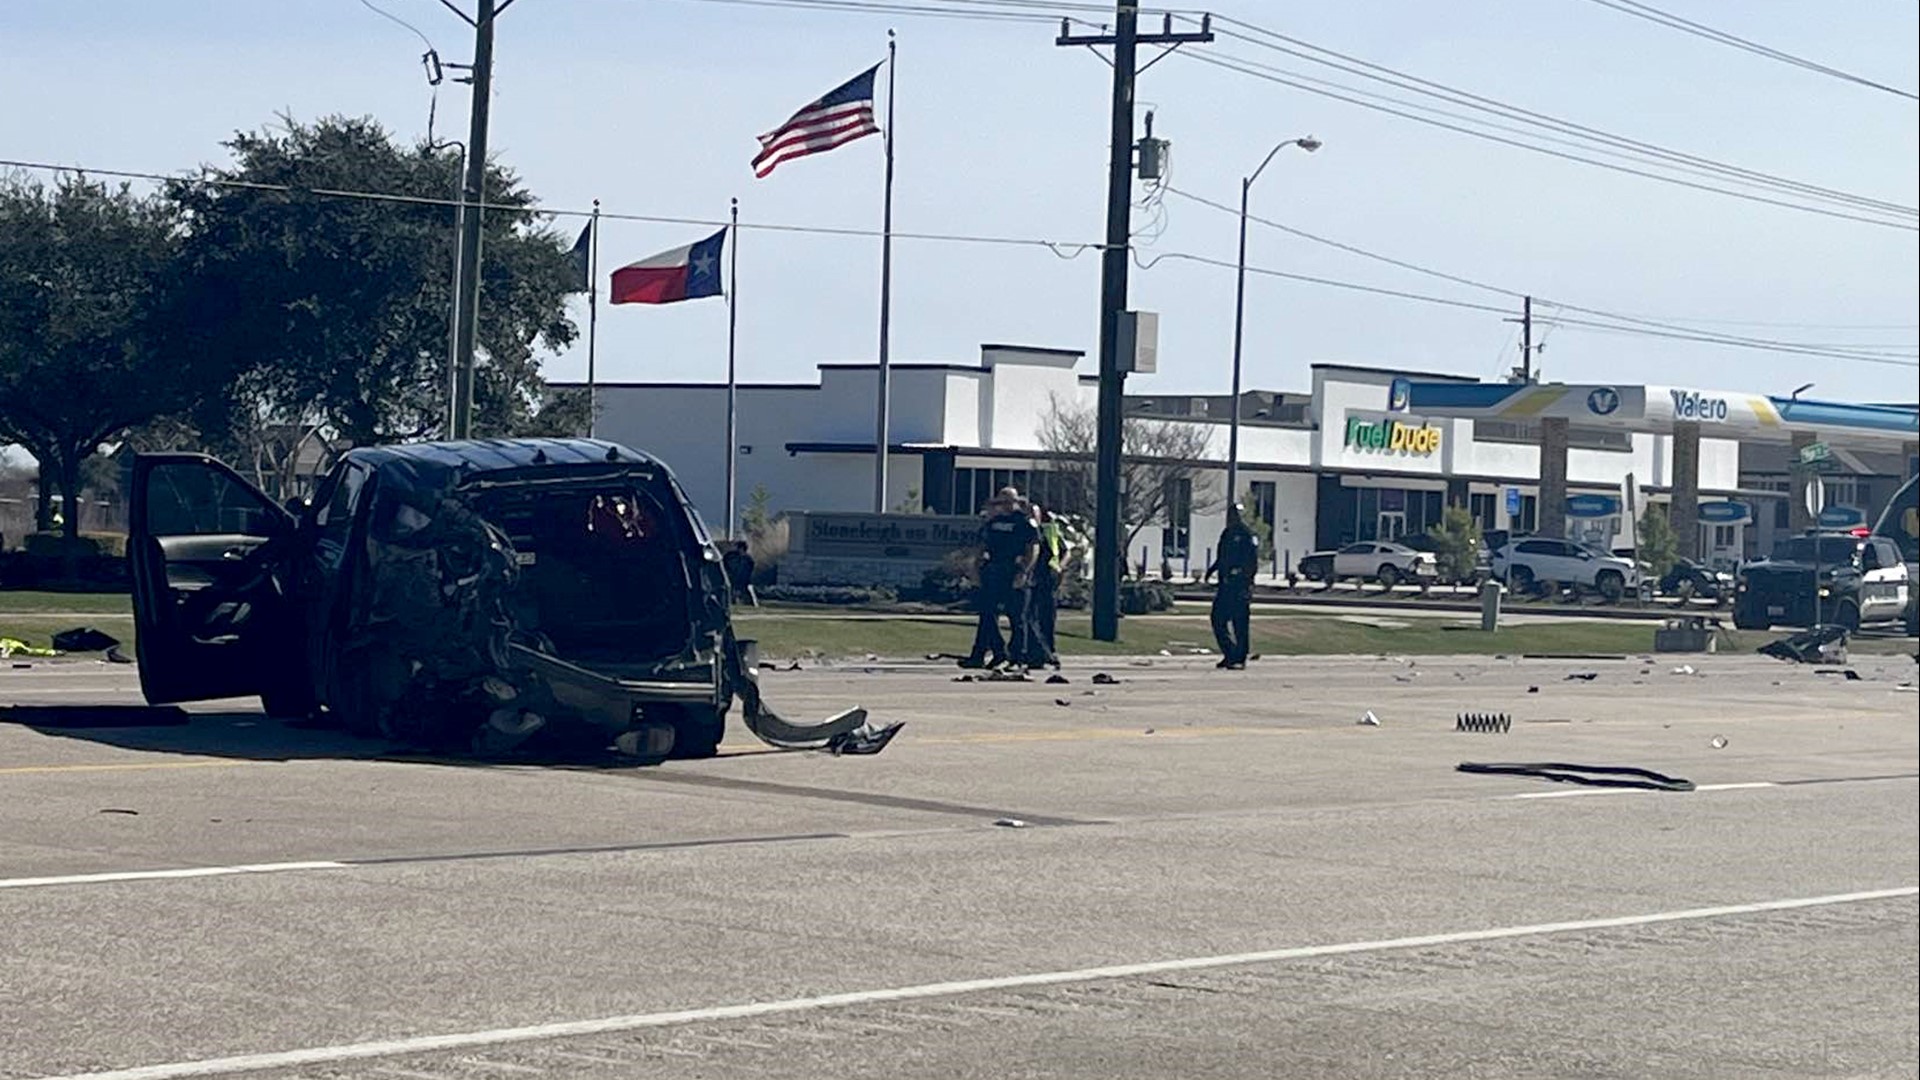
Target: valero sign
(1392, 436)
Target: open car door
(205, 549)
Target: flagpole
(886, 302)
(733, 389)
(593, 316)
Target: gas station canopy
(1655, 409)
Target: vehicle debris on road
(84, 639)
(1819, 645)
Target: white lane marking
(323, 1055)
(162, 875)
(1573, 792)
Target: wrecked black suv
(491, 594)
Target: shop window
(1177, 533)
(1263, 500)
(1483, 508)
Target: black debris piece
(1062, 702)
(1583, 676)
(84, 639)
(1851, 675)
(864, 739)
(1056, 679)
(116, 656)
(1533, 689)
(1484, 723)
(119, 810)
(1616, 776)
(1808, 646)
(1101, 678)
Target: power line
(1291, 46)
(1663, 327)
(1687, 26)
(890, 7)
(1241, 66)
(1593, 140)
(1065, 249)
(390, 16)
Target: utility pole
(472, 199)
(1525, 320)
(1526, 339)
(1125, 39)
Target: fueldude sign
(1392, 436)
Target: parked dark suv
(486, 593)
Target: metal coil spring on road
(1487, 723)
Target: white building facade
(1340, 462)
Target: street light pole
(1309, 144)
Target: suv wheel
(697, 729)
(1612, 585)
(1520, 579)
(1847, 614)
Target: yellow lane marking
(1101, 733)
(14, 770)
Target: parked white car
(1385, 562)
(1525, 562)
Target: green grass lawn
(24, 615)
(28, 601)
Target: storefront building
(1353, 457)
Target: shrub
(954, 579)
(1456, 544)
(1145, 597)
(841, 595)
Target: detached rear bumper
(610, 701)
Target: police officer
(737, 562)
(1009, 544)
(1238, 558)
(1042, 606)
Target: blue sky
(651, 106)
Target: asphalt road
(1217, 875)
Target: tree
(82, 350)
(1658, 547)
(331, 311)
(1155, 456)
(1456, 543)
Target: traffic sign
(1816, 496)
(1813, 452)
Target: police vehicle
(1842, 578)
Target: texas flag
(685, 273)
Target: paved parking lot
(1214, 874)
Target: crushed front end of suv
(490, 595)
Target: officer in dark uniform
(1232, 601)
(1009, 544)
(737, 562)
(1042, 606)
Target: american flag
(841, 116)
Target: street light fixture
(1309, 144)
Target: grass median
(36, 617)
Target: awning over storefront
(1654, 409)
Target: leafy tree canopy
(331, 312)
